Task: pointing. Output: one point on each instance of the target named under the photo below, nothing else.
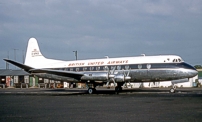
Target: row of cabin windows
(99, 68)
(106, 68)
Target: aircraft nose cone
(193, 73)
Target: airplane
(120, 71)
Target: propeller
(127, 78)
(120, 77)
(110, 76)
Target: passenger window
(105, 68)
(97, 68)
(71, 69)
(112, 67)
(118, 67)
(148, 66)
(77, 69)
(126, 67)
(91, 68)
(85, 68)
(139, 66)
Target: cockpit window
(177, 60)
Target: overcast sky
(98, 28)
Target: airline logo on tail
(35, 53)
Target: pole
(75, 54)
(15, 55)
(23, 57)
(7, 64)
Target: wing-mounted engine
(107, 76)
(95, 76)
(122, 77)
(117, 77)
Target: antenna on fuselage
(143, 54)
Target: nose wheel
(172, 90)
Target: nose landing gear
(172, 90)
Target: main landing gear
(91, 90)
(91, 87)
(118, 88)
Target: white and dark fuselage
(140, 68)
(117, 70)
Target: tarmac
(75, 105)
(100, 91)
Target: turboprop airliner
(108, 70)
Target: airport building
(21, 79)
(11, 78)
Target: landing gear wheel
(91, 90)
(172, 90)
(118, 89)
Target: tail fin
(33, 54)
(34, 57)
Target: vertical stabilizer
(33, 54)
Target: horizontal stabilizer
(22, 66)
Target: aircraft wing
(29, 69)
(71, 74)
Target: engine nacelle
(121, 78)
(95, 76)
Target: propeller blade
(128, 72)
(114, 82)
(113, 70)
